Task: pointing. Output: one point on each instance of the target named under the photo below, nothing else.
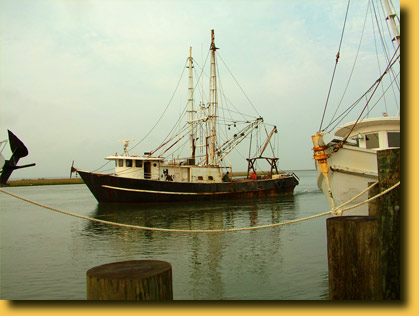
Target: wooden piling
(374, 205)
(354, 258)
(389, 210)
(364, 251)
(148, 280)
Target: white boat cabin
(155, 168)
(375, 133)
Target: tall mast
(391, 18)
(213, 105)
(191, 105)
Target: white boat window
(372, 140)
(210, 178)
(200, 178)
(128, 163)
(393, 139)
(139, 163)
(120, 163)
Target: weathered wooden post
(354, 258)
(364, 251)
(148, 280)
(374, 206)
(388, 210)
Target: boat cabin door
(147, 170)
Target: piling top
(132, 270)
(354, 218)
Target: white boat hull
(351, 171)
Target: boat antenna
(126, 143)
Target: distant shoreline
(30, 182)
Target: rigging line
(104, 165)
(229, 101)
(355, 60)
(178, 150)
(173, 128)
(383, 43)
(221, 101)
(389, 86)
(254, 108)
(167, 106)
(201, 73)
(186, 128)
(350, 108)
(385, 51)
(374, 85)
(223, 97)
(336, 63)
(372, 94)
(242, 114)
(170, 147)
(378, 60)
(205, 62)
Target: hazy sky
(78, 75)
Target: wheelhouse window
(393, 139)
(128, 163)
(139, 163)
(120, 163)
(372, 141)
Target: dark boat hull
(112, 189)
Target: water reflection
(210, 266)
(208, 216)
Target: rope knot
(337, 211)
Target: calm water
(45, 255)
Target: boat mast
(390, 17)
(191, 105)
(213, 105)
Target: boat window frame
(138, 163)
(371, 143)
(393, 142)
(120, 162)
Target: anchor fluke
(19, 150)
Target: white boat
(346, 159)
(203, 173)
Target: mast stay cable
(336, 63)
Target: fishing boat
(346, 159)
(203, 173)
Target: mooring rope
(338, 210)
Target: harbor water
(45, 254)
